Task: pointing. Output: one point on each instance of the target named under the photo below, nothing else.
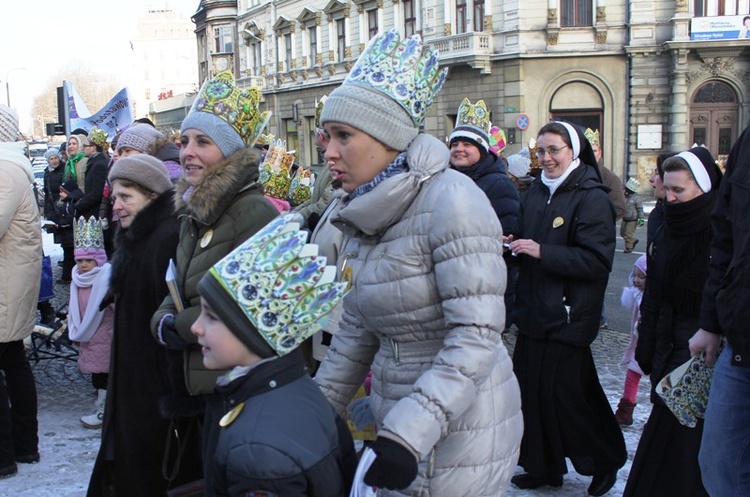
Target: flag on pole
(112, 118)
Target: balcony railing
(473, 48)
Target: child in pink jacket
(87, 325)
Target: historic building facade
(632, 69)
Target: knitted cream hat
(138, 137)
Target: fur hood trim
(208, 200)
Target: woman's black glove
(168, 335)
(394, 468)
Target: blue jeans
(725, 448)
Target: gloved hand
(394, 467)
(641, 222)
(168, 335)
(360, 412)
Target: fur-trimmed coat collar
(207, 201)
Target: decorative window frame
(281, 27)
(363, 7)
(253, 35)
(336, 10)
(311, 20)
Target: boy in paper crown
(281, 436)
(88, 325)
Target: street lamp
(7, 83)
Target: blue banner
(112, 118)
(719, 28)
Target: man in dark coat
(724, 460)
(471, 155)
(96, 175)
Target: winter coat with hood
(224, 210)
(560, 295)
(426, 312)
(53, 179)
(20, 245)
(92, 186)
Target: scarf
(70, 167)
(14, 152)
(81, 330)
(686, 242)
(398, 166)
(554, 183)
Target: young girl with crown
(425, 311)
(87, 325)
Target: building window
(313, 37)
(288, 51)
(478, 16)
(340, 39)
(255, 59)
(291, 134)
(576, 13)
(410, 20)
(372, 23)
(223, 39)
(460, 16)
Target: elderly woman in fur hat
(221, 205)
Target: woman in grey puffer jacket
(426, 308)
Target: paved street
(68, 449)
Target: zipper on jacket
(431, 464)
(394, 347)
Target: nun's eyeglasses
(552, 151)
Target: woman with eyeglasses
(565, 253)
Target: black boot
(529, 481)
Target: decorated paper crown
(265, 139)
(238, 107)
(407, 71)
(302, 185)
(633, 185)
(274, 172)
(280, 283)
(497, 140)
(87, 233)
(98, 137)
(319, 109)
(472, 123)
(592, 136)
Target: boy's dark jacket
(286, 439)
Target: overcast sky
(41, 36)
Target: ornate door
(714, 118)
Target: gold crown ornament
(87, 233)
(98, 137)
(240, 108)
(319, 109)
(302, 185)
(275, 170)
(592, 136)
(405, 70)
(280, 283)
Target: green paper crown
(592, 136)
(98, 137)
(87, 233)
(407, 71)
(281, 283)
(319, 109)
(475, 115)
(239, 108)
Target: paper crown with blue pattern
(87, 233)
(407, 71)
(279, 284)
(472, 124)
(240, 108)
(633, 185)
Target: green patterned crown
(280, 283)
(407, 71)
(238, 107)
(475, 115)
(592, 136)
(98, 137)
(87, 233)
(319, 109)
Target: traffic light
(54, 129)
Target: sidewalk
(68, 449)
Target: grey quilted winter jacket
(426, 311)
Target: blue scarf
(398, 166)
